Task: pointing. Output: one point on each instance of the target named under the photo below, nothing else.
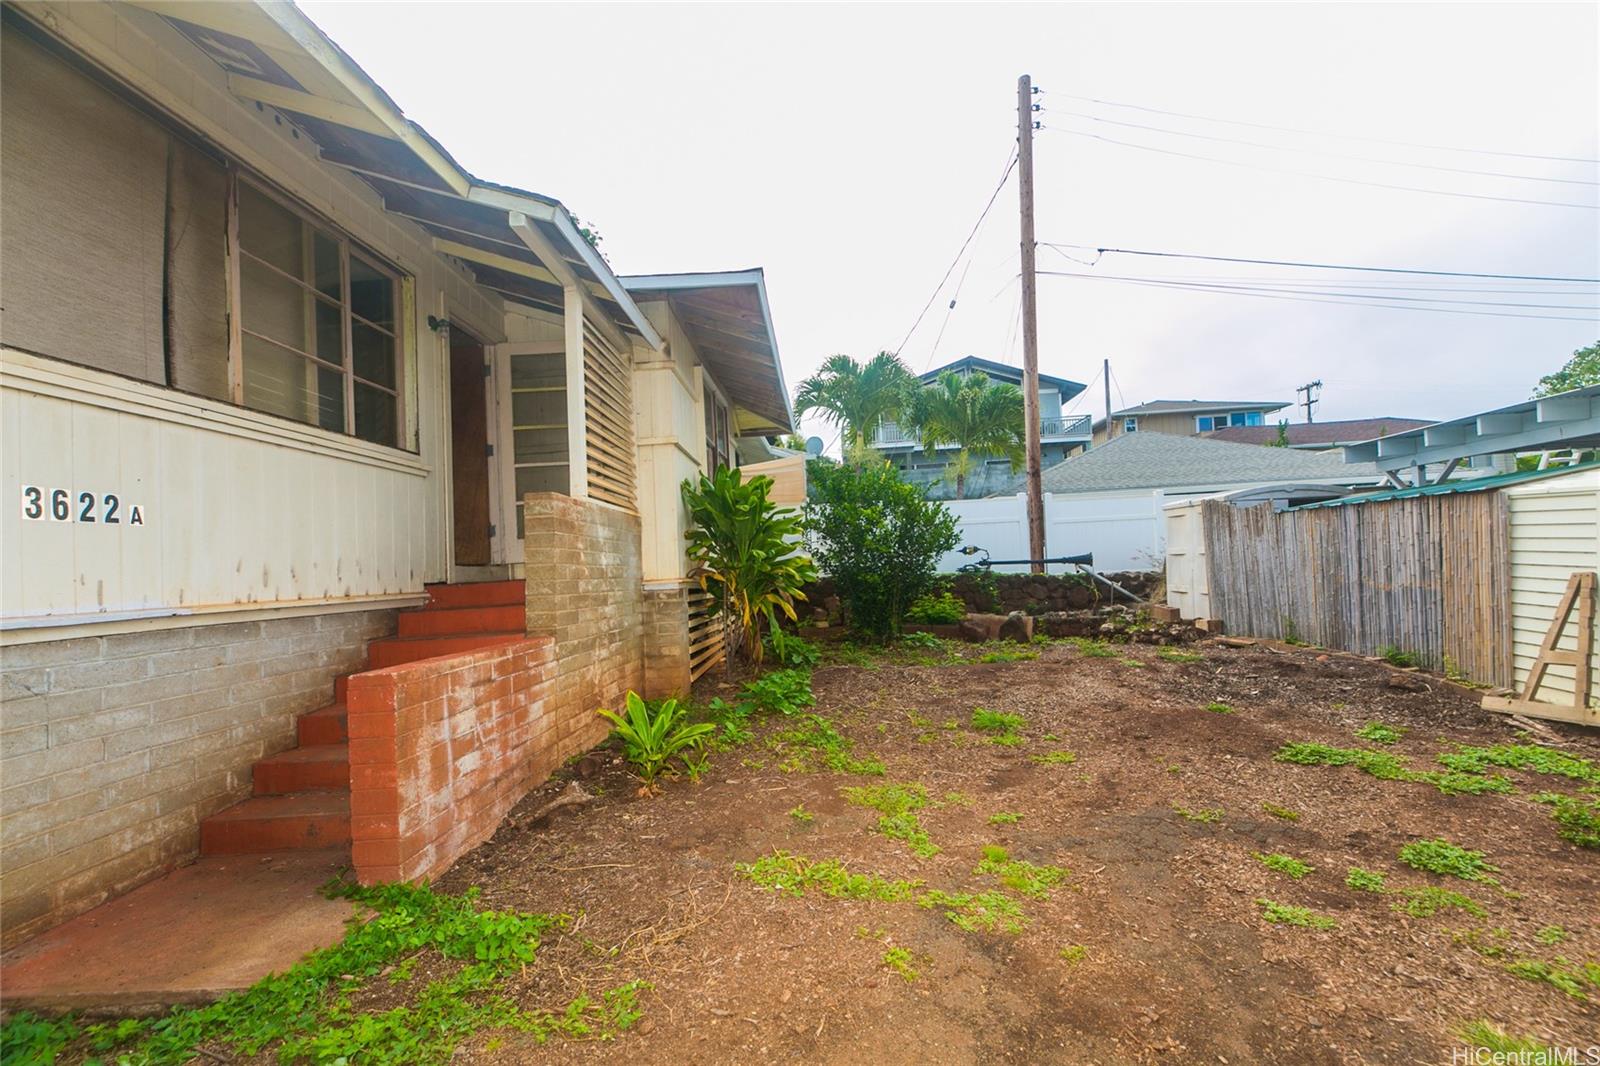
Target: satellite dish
(814, 445)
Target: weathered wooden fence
(1430, 575)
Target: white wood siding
(1555, 530)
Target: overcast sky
(848, 150)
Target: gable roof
(1198, 407)
(1331, 434)
(1165, 460)
(1002, 372)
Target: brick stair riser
(328, 726)
(281, 778)
(254, 836)
(483, 594)
(385, 653)
(461, 621)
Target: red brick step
(399, 650)
(456, 621)
(309, 769)
(329, 725)
(478, 594)
(278, 823)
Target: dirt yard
(1153, 947)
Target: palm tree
(972, 413)
(856, 396)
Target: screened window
(539, 425)
(718, 452)
(319, 323)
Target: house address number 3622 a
(84, 505)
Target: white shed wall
(1188, 588)
(1555, 530)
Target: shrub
(786, 692)
(744, 553)
(879, 538)
(790, 650)
(651, 736)
(942, 609)
(1395, 656)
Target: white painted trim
(39, 629)
(27, 373)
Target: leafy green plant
(1533, 757)
(1428, 901)
(785, 692)
(1448, 860)
(796, 874)
(28, 1039)
(921, 640)
(879, 539)
(1364, 880)
(1007, 655)
(987, 721)
(976, 912)
(1219, 708)
(800, 814)
(792, 650)
(1004, 818)
(1579, 821)
(1173, 655)
(306, 1013)
(1563, 974)
(1284, 914)
(1205, 815)
(1284, 864)
(1281, 812)
(651, 736)
(1024, 877)
(815, 736)
(1093, 649)
(941, 608)
(1387, 766)
(1482, 1034)
(1055, 758)
(897, 804)
(742, 546)
(1073, 953)
(1395, 656)
(1379, 733)
(1550, 935)
(899, 960)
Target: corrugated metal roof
(1476, 484)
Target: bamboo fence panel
(1429, 575)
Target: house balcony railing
(1076, 427)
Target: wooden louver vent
(608, 411)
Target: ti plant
(743, 550)
(652, 736)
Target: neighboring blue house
(1059, 436)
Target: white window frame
(1130, 424)
(346, 368)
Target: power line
(1319, 266)
(1212, 283)
(934, 351)
(1325, 133)
(1321, 177)
(1318, 151)
(1011, 163)
(1308, 297)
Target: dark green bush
(879, 538)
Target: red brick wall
(442, 749)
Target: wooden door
(469, 449)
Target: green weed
(1173, 655)
(1128, 660)
(1378, 733)
(1568, 976)
(1426, 902)
(1281, 812)
(897, 805)
(976, 912)
(1032, 881)
(1055, 758)
(1284, 864)
(1550, 935)
(1093, 649)
(800, 814)
(1448, 860)
(1205, 815)
(786, 692)
(795, 875)
(653, 734)
(1004, 818)
(1217, 707)
(1006, 656)
(814, 738)
(922, 640)
(958, 799)
(1074, 953)
(1532, 757)
(1394, 656)
(1579, 821)
(1364, 880)
(899, 960)
(1284, 914)
(1489, 1037)
(1386, 766)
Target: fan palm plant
(975, 414)
(856, 395)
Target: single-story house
(1059, 435)
(1109, 500)
(344, 483)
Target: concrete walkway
(213, 927)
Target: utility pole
(1105, 374)
(1312, 390)
(1030, 325)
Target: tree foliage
(974, 414)
(856, 395)
(746, 554)
(879, 539)
(1582, 369)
